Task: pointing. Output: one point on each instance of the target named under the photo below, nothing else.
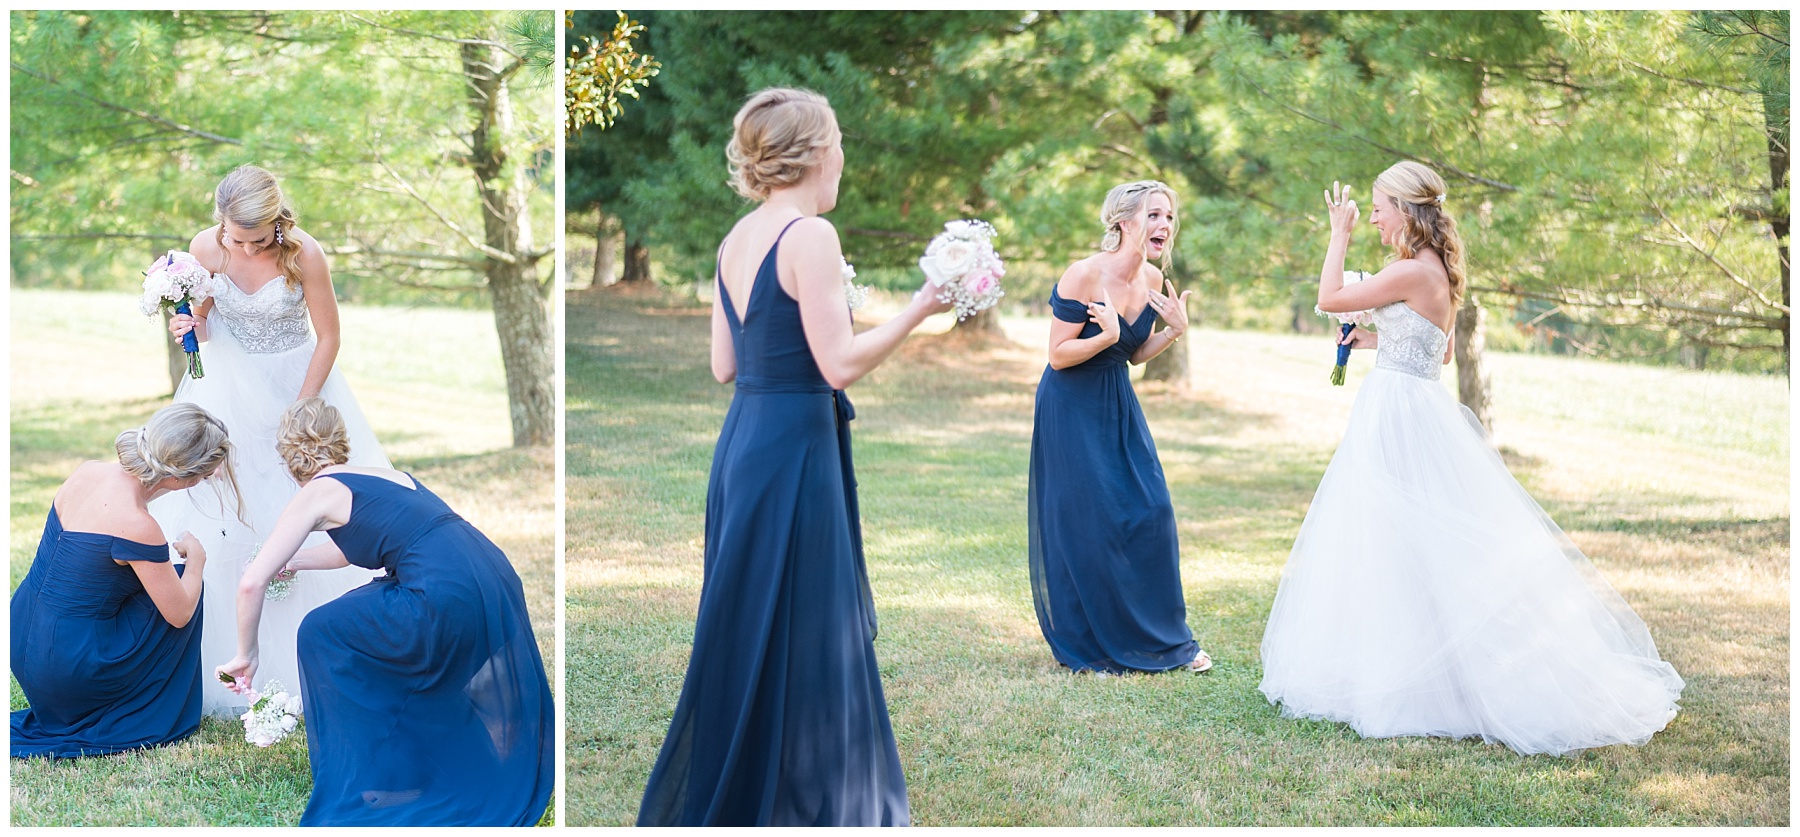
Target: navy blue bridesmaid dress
(781, 719)
(1105, 563)
(424, 692)
(103, 670)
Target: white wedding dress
(255, 361)
(1428, 594)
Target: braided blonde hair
(180, 441)
(249, 197)
(1418, 193)
(778, 135)
(312, 438)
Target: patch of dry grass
(1675, 484)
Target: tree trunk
(1171, 365)
(1776, 128)
(1473, 385)
(984, 323)
(518, 294)
(177, 355)
(637, 259)
(603, 252)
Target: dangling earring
(278, 240)
(1111, 242)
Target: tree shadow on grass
(991, 731)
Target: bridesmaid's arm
(322, 557)
(724, 354)
(321, 306)
(813, 257)
(320, 504)
(175, 595)
(1067, 346)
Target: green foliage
(122, 122)
(1610, 168)
(600, 74)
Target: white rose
(950, 262)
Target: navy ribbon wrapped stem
(190, 343)
(1343, 355)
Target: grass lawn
(87, 365)
(1674, 483)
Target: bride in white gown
(1427, 593)
(258, 358)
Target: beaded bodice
(1409, 342)
(271, 320)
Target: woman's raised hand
(1342, 208)
(1172, 308)
(928, 297)
(1102, 313)
(188, 546)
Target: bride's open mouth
(1159, 241)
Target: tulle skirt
(248, 392)
(1428, 594)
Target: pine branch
(144, 115)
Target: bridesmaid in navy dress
(781, 719)
(1105, 563)
(105, 629)
(424, 692)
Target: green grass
(86, 365)
(1674, 483)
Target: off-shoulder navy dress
(781, 719)
(103, 670)
(424, 692)
(1105, 562)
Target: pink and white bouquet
(962, 264)
(272, 715)
(856, 295)
(176, 281)
(1347, 320)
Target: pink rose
(981, 284)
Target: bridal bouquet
(176, 281)
(962, 264)
(271, 715)
(1347, 321)
(856, 295)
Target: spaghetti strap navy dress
(781, 719)
(1105, 562)
(424, 692)
(103, 670)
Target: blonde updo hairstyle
(1418, 193)
(312, 438)
(180, 441)
(249, 197)
(1126, 201)
(778, 135)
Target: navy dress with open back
(424, 690)
(781, 719)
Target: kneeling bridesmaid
(105, 628)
